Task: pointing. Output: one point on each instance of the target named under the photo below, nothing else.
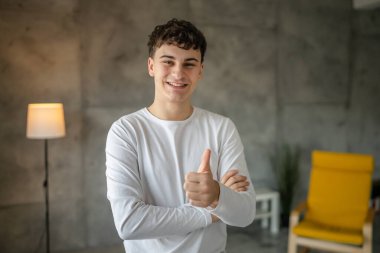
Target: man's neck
(171, 111)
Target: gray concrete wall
(301, 72)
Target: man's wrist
(216, 201)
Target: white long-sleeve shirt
(147, 159)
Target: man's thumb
(204, 167)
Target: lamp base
(46, 187)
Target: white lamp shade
(45, 121)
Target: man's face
(176, 72)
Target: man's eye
(168, 62)
(189, 65)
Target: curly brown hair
(177, 32)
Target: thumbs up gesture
(201, 189)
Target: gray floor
(253, 239)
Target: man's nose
(177, 71)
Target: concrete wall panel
(363, 133)
(313, 52)
(245, 13)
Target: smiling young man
(176, 174)
(176, 72)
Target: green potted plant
(285, 164)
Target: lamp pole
(46, 186)
(46, 121)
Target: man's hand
(201, 189)
(234, 181)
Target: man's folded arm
(234, 208)
(133, 217)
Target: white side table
(268, 209)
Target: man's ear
(201, 72)
(150, 67)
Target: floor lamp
(45, 121)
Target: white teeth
(177, 84)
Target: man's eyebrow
(172, 57)
(192, 59)
(167, 56)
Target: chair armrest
(296, 213)
(367, 230)
(301, 208)
(370, 216)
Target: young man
(176, 174)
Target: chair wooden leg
(367, 245)
(293, 221)
(367, 233)
(292, 246)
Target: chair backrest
(339, 189)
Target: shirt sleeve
(135, 219)
(234, 208)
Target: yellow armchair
(336, 216)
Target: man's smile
(177, 85)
